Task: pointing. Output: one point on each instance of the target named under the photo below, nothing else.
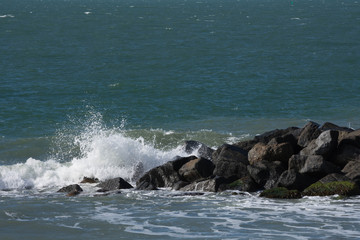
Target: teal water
(92, 87)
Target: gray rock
(196, 169)
(230, 162)
(71, 188)
(352, 170)
(207, 185)
(294, 180)
(346, 153)
(202, 150)
(323, 145)
(265, 173)
(114, 184)
(334, 177)
(297, 162)
(317, 166)
(310, 132)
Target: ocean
(93, 87)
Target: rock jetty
(283, 163)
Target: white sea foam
(104, 154)
(7, 15)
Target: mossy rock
(281, 192)
(342, 188)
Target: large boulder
(201, 150)
(260, 152)
(165, 175)
(273, 151)
(265, 173)
(297, 162)
(330, 126)
(351, 138)
(113, 184)
(310, 132)
(291, 179)
(345, 154)
(352, 171)
(316, 166)
(230, 162)
(324, 144)
(196, 169)
(268, 136)
(246, 145)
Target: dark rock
(260, 152)
(351, 138)
(114, 184)
(245, 184)
(343, 188)
(71, 188)
(294, 180)
(180, 185)
(316, 166)
(89, 180)
(282, 152)
(272, 152)
(230, 161)
(266, 174)
(330, 126)
(346, 153)
(310, 132)
(246, 145)
(323, 145)
(165, 175)
(297, 162)
(352, 170)
(147, 186)
(207, 185)
(180, 161)
(196, 169)
(73, 193)
(334, 177)
(281, 193)
(266, 137)
(202, 150)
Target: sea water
(95, 87)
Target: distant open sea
(93, 87)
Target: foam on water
(104, 153)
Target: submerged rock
(342, 188)
(74, 189)
(113, 184)
(280, 192)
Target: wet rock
(342, 188)
(323, 145)
(203, 151)
(207, 185)
(180, 185)
(71, 188)
(89, 180)
(196, 169)
(351, 138)
(246, 184)
(294, 180)
(165, 175)
(310, 132)
(114, 184)
(280, 193)
(230, 161)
